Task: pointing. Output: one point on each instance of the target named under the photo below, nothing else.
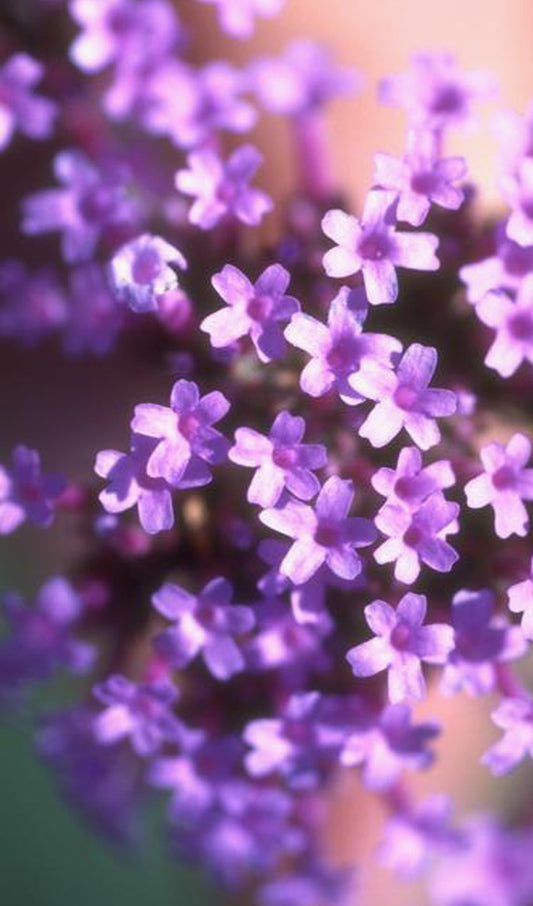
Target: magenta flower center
(448, 99)
(413, 536)
(517, 260)
(375, 246)
(424, 182)
(147, 266)
(259, 308)
(521, 326)
(284, 457)
(504, 478)
(404, 487)
(342, 357)
(405, 397)
(96, 205)
(400, 636)
(207, 616)
(327, 533)
(188, 425)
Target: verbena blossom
(19, 108)
(504, 484)
(221, 188)
(281, 459)
(504, 270)
(33, 304)
(374, 247)
(206, 623)
(185, 434)
(26, 492)
(140, 271)
(518, 192)
(322, 534)
(256, 310)
(403, 398)
(515, 717)
(402, 643)
(512, 319)
(410, 483)
(413, 837)
(339, 349)
(520, 600)
(237, 17)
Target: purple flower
(309, 884)
(409, 484)
(402, 643)
(435, 93)
(513, 321)
(412, 837)
(237, 16)
(140, 273)
(374, 247)
(19, 108)
(141, 711)
(94, 317)
(255, 310)
(518, 192)
(388, 745)
(91, 201)
(338, 350)
(205, 623)
(282, 643)
(323, 534)
(186, 438)
(504, 484)
(33, 305)
(506, 269)
(403, 399)
(521, 601)
(481, 642)
(222, 187)
(515, 717)
(26, 492)
(281, 459)
(420, 178)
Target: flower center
(188, 425)
(403, 488)
(448, 99)
(375, 246)
(259, 308)
(423, 182)
(405, 397)
(517, 260)
(96, 205)
(521, 326)
(504, 478)
(327, 533)
(147, 266)
(284, 457)
(400, 636)
(413, 536)
(343, 355)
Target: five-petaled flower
(505, 484)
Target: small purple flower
(186, 438)
(323, 534)
(19, 108)
(309, 884)
(518, 192)
(94, 317)
(140, 271)
(237, 16)
(255, 310)
(280, 643)
(281, 459)
(505, 270)
(402, 643)
(204, 623)
(33, 305)
(403, 398)
(521, 601)
(413, 836)
(417, 535)
(374, 247)
(515, 717)
(141, 711)
(409, 484)
(26, 492)
(512, 319)
(222, 187)
(338, 350)
(420, 178)
(481, 642)
(91, 201)
(504, 484)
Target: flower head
(141, 712)
(409, 484)
(512, 319)
(26, 492)
(140, 271)
(515, 717)
(19, 107)
(504, 484)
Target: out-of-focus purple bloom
(323, 534)
(222, 187)
(435, 93)
(255, 310)
(515, 135)
(237, 17)
(141, 712)
(504, 484)
(521, 601)
(94, 318)
(338, 350)
(421, 177)
(481, 642)
(413, 837)
(403, 398)
(512, 319)
(204, 623)
(19, 107)
(140, 271)
(374, 247)
(32, 305)
(187, 440)
(281, 459)
(309, 884)
(410, 484)
(402, 643)
(515, 717)
(281, 643)
(304, 79)
(92, 201)
(26, 492)
(518, 192)
(388, 745)
(505, 270)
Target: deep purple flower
(94, 317)
(402, 643)
(19, 107)
(520, 598)
(141, 711)
(403, 398)
(515, 717)
(32, 306)
(481, 642)
(504, 484)
(338, 350)
(513, 321)
(374, 247)
(26, 492)
(91, 201)
(222, 187)
(187, 440)
(420, 178)
(140, 271)
(204, 623)
(323, 534)
(505, 270)
(256, 310)
(281, 459)
(237, 17)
